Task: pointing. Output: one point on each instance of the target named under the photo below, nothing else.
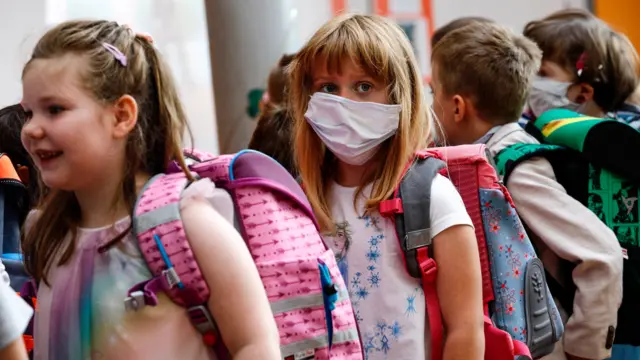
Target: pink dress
(82, 314)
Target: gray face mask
(547, 94)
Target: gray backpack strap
(411, 208)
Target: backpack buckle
(391, 207)
(429, 270)
(201, 319)
(135, 301)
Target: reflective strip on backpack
(159, 216)
(319, 342)
(302, 302)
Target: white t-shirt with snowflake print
(389, 304)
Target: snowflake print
(374, 279)
(521, 236)
(371, 221)
(371, 268)
(411, 305)
(355, 282)
(381, 339)
(494, 227)
(362, 293)
(375, 240)
(516, 273)
(396, 330)
(373, 255)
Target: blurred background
(221, 51)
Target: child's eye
(55, 109)
(364, 87)
(328, 88)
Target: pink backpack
(308, 297)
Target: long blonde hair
(382, 49)
(152, 144)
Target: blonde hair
(610, 60)
(153, 143)
(382, 49)
(489, 64)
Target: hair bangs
(350, 40)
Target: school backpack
(597, 161)
(521, 319)
(308, 297)
(14, 202)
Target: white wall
(513, 13)
(19, 31)
(178, 27)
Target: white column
(246, 37)
(20, 29)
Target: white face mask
(547, 94)
(352, 130)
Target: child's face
(68, 133)
(554, 71)
(352, 83)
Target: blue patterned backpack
(521, 319)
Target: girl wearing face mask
(357, 102)
(590, 68)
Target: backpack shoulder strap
(410, 208)
(157, 224)
(411, 204)
(508, 158)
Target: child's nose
(348, 94)
(32, 130)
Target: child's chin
(55, 182)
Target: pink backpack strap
(158, 227)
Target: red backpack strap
(410, 209)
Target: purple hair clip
(122, 58)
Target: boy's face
(444, 108)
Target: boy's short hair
(454, 25)
(489, 64)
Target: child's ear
(584, 93)
(125, 111)
(460, 108)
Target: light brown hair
(274, 128)
(489, 64)
(454, 25)
(381, 48)
(153, 143)
(610, 60)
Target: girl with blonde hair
(359, 112)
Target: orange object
(622, 15)
(28, 342)
(338, 6)
(7, 171)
